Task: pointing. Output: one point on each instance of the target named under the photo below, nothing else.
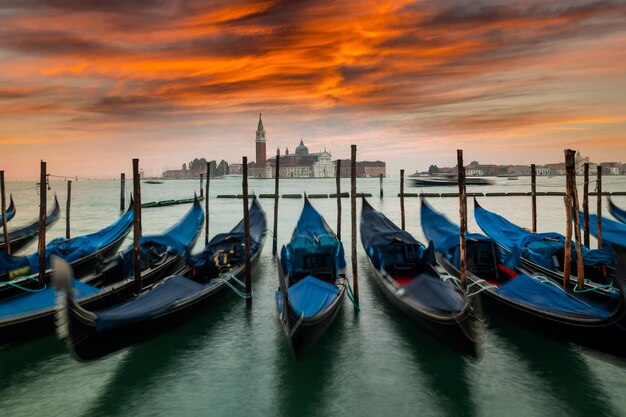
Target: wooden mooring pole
(586, 204)
(355, 273)
(463, 217)
(122, 191)
(276, 191)
(136, 225)
(402, 199)
(533, 195)
(599, 207)
(201, 186)
(580, 267)
(43, 195)
(338, 186)
(246, 230)
(67, 209)
(5, 229)
(206, 204)
(567, 261)
(380, 180)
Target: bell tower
(261, 156)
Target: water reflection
(569, 379)
(146, 364)
(20, 361)
(304, 386)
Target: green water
(236, 362)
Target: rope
(293, 330)
(231, 286)
(599, 287)
(351, 295)
(13, 284)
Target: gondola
(530, 300)
(84, 253)
(312, 281)
(93, 334)
(408, 276)
(618, 213)
(544, 253)
(21, 237)
(10, 212)
(31, 315)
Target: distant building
(364, 169)
(217, 170)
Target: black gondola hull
(37, 325)
(459, 332)
(87, 344)
(600, 334)
(309, 330)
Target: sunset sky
(89, 84)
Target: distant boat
(153, 182)
(512, 178)
(447, 181)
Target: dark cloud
(54, 43)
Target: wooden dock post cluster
(402, 199)
(136, 225)
(355, 273)
(533, 195)
(571, 214)
(246, 230)
(122, 191)
(67, 209)
(43, 195)
(276, 190)
(5, 229)
(206, 204)
(463, 217)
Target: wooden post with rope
(599, 207)
(338, 190)
(136, 225)
(463, 218)
(355, 273)
(586, 204)
(402, 199)
(5, 229)
(41, 247)
(276, 191)
(67, 209)
(246, 232)
(122, 191)
(533, 195)
(206, 204)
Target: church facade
(300, 164)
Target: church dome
(302, 149)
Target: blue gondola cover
(537, 247)
(158, 300)
(617, 212)
(612, 231)
(258, 224)
(547, 296)
(379, 230)
(309, 296)
(71, 249)
(42, 300)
